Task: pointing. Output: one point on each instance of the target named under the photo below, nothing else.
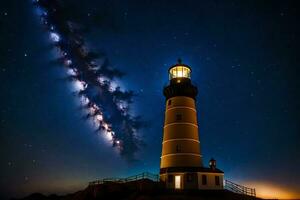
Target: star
(27, 145)
(5, 13)
(25, 54)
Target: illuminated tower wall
(180, 146)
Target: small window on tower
(204, 179)
(217, 180)
(178, 149)
(169, 102)
(178, 117)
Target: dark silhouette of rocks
(144, 189)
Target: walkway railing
(229, 185)
(145, 175)
(233, 187)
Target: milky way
(102, 99)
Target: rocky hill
(144, 189)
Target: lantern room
(179, 71)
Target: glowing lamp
(179, 71)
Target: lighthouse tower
(181, 164)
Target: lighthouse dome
(179, 71)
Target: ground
(140, 190)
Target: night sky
(244, 57)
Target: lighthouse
(181, 165)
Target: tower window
(178, 149)
(178, 117)
(169, 102)
(170, 178)
(204, 179)
(189, 177)
(217, 180)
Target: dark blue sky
(244, 60)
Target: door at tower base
(177, 182)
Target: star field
(244, 60)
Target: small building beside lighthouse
(181, 165)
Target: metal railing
(145, 175)
(240, 189)
(229, 185)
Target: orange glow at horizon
(273, 191)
